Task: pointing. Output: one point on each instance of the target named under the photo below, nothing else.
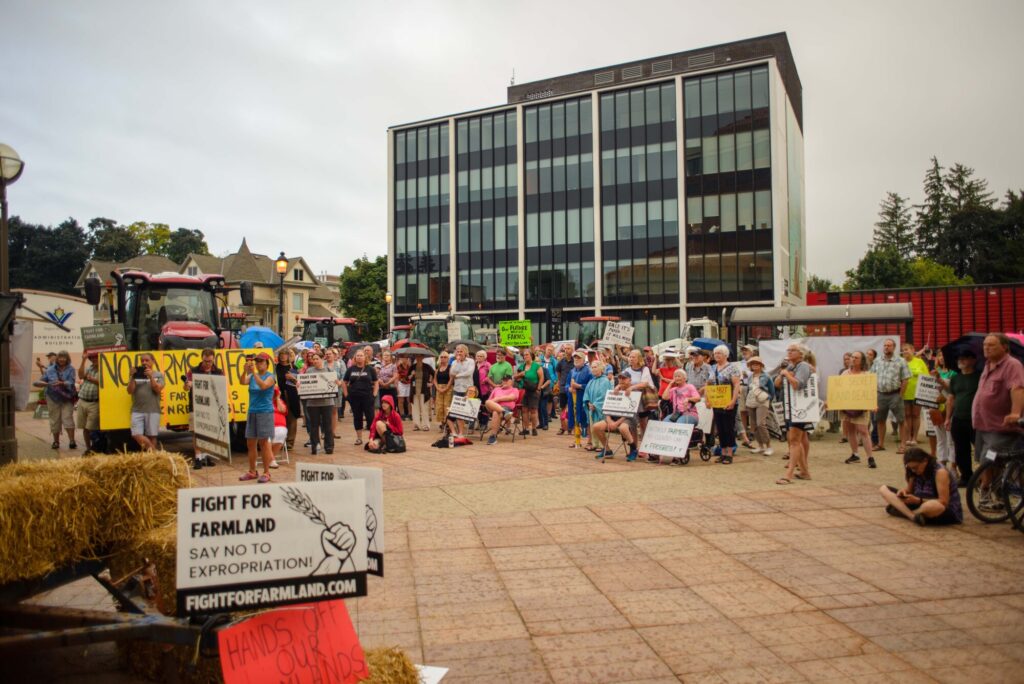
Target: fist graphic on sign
(337, 540)
(371, 525)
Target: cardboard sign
(928, 392)
(561, 343)
(313, 642)
(515, 333)
(454, 330)
(927, 424)
(116, 370)
(621, 405)
(617, 332)
(247, 547)
(667, 439)
(718, 396)
(464, 408)
(853, 392)
(802, 406)
(103, 338)
(776, 422)
(211, 413)
(317, 385)
(374, 478)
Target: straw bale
(154, 552)
(53, 513)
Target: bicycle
(1001, 498)
(1013, 489)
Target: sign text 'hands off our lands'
(116, 369)
(245, 547)
(853, 392)
(515, 333)
(374, 479)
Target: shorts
(259, 426)
(88, 414)
(280, 434)
(62, 415)
(891, 402)
(632, 421)
(404, 389)
(945, 518)
(806, 427)
(999, 442)
(147, 424)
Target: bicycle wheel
(985, 503)
(1012, 492)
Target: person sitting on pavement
(502, 401)
(386, 422)
(627, 426)
(930, 496)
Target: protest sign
(515, 333)
(927, 424)
(317, 385)
(116, 370)
(928, 392)
(374, 478)
(621, 405)
(776, 423)
(211, 415)
(666, 439)
(617, 332)
(718, 396)
(312, 642)
(705, 417)
(454, 330)
(853, 392)
(802, 406)
(561, 343)
(243, 547)
(464, 407)
(103, 338)
(322, 341)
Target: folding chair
(511, 421)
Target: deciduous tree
(361, 288)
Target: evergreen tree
(933, 213)
(895, 228)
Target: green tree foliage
(362, 287)
(927, 273)
(108, 241)
(46, 258)
(184, 242)
(895, 227)
(816, 283)
(881, 267)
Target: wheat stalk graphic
(301, 503)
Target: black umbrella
(413, 351)
(472, 345)
(973, 341)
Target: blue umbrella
(708, 343)
(259, 333)
(304, 344)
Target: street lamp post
(387, 301)
(11, 167)
(282, 266)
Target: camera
(140, 372)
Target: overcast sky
(268, 119)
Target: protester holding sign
(146, 388)
(857, 422)
(207, 366)
(728, 375)
(462, 370)
(320, 410)
(939, 438)
(59, 381)
(259, 423)
(627, 426)
(912, 410)
(795, 373)
(88, 411)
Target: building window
(298, 274)
(296, 301)
(193, 270)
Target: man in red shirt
(999, 401)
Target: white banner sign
(617, 332)
(316, 385)
(705, 417)
(828, 352)
(454, 330)
(374, 478)
(255, 546)
(562, 343)
(928, 391)
(211, 415)
(464, 407)
(619, 405)
(666, 439)
(802, 406)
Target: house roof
(151, 263)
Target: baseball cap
(262, 356)
(625, 374)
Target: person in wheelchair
(501, 404)
(627, 426)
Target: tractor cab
(592, 329)
(432, 330)
(233, 322)
(399, 333)
(328, 331)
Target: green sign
(103, 338)
(515, 333)
(322, 341)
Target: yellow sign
(116, 370)
(853, 392)
(719, 396)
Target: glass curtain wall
(728, 187)
(559, 204)
(487, 240)
(639, 196)
(421, 218)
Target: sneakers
(871, 462)
(756, 450)
(632, 454)
(768, 452)
(264, 478)
(854, 458)
(677, 462)
(249, 476)
(651, 458)
(72, 446)
(313, 449)
(493, 439)
(274, 464)
(533, 432)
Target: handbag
(650, 398)
(393, 443)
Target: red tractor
(592, 329)
(346, 332)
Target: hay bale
(156, 549)
(390, 666)
(53, 513)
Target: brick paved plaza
(532, 563)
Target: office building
(659, 190)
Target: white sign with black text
(248, 547)
(617, 332)
(802, 406)
(928, 391)
(464, 408)
(374, 478)
(619, 405)
(211, 415)
(669, 440)
(316, 385)
(454, 330)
